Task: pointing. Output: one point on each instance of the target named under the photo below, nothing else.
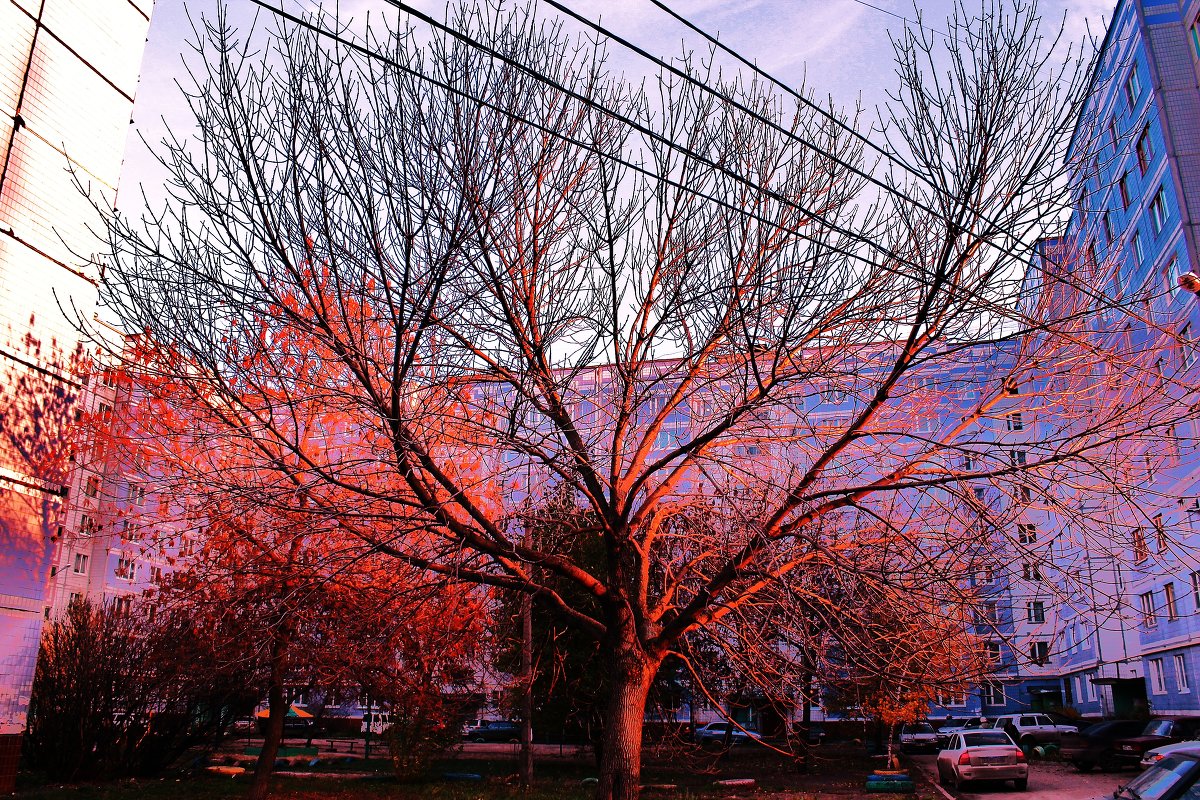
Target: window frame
(1158, 211)
(1148, 610)
(1183, 681)
(1157, 676)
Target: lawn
(838, 772)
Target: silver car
(987, 755)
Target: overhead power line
(357, 47)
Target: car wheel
(514, 741)
(1021, 784)
(942, 776)
(479, 740)
(1082, 766)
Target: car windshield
(976, 723)
(984, 738)
(1158, 727)
(1159, 780)
(921, 727)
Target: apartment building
(68, 71)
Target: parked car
(1152, 757)
(951, 727)
(918, 736)
(472, 725)
(497, 732)
(1028, 730)
(1094, 745)
(1173, 777)
(1158, 732)
(982, 755)
(716, 732)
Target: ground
(838, 771)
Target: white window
(1035, 611)
(991, 652)
(1031, 571)
(1158, 210)
(1133, 88)
(1181, 674)
(952, 699)
(1013, 421)
(992, 693)
(1017, 457)
(1039, 653)
(968, 461)
(1139, 249)
(1169, 602)
(1149, 615)
(123, 605)
(81, 562)
(92, 488)
(1158, 676)
(87, 525)
(1091, 689)
(987, 577)
(126, 568)
(1026, 532)
(1196, 590)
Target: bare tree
(425, 275)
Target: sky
(838, 48)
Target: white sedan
(987, 755)
(1152, 757)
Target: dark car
(1172, 778)
(717, 733)
(497, 732)
(1095, 745)
(1129, 751)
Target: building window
(1158, 210)
(1161, 540)
(1181, 674)
(1187, 355)
(92, 487)
(1149, 615)
(1091, 689)
(1170, 605)
(1031, 571)
(1123, 188)
(1196, 590)
(1035, 611)
(1158, 676)
(1141, 551)
(955, 698)
(987, 577)
(1139, 250)
(1196, 37)
(75, 597)
(1108, 228)
(991, 693)
(156, 575)
(1017, 457)
(1026, 532)
(1025, 493)
(126, 568)
(87, 525)
(1133, 88)
(123, 605)
(1013, 421)
(1145, 150)
(81, 562)
(968, 462)
(1039, 653)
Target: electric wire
(774, 195)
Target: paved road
(1047, 781)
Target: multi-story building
(1127, 634)
(68, 71)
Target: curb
(933, 780)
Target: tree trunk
(277, 712)
(621, 763)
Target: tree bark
(277, 712)
(621, 763)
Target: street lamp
(1191, 282)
